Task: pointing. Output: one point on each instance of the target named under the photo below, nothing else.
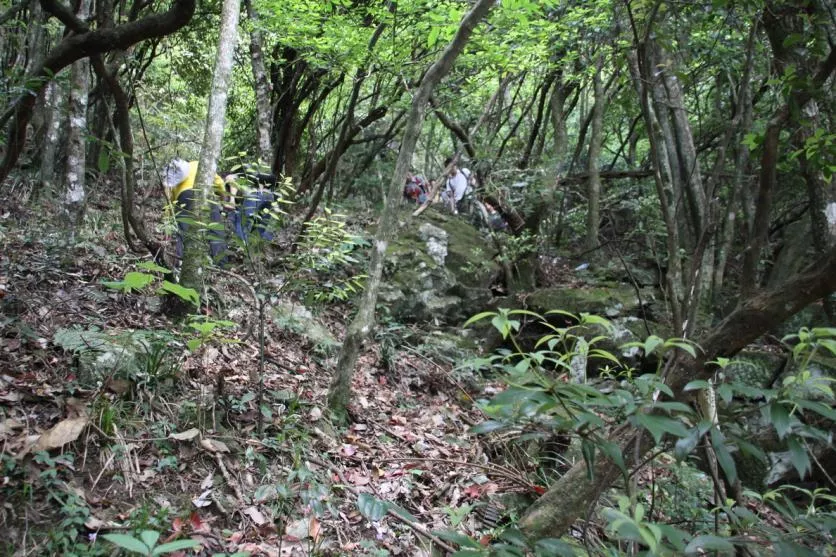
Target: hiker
(456, 186)
(178, 181)
(253, 196)
(495, 219)
(415, 188)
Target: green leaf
(371, 507)
(550, 547)
(780, 418)
(615, 454)
(723, 455)
(432, 36)
(479, 317)
(458, 539)
(149, 537)
(659, 425)
(177, 545)
(704, 543)
(151, 266)
(403, 513)
(698, 384)
(686, 445)
(786, 548)
(799, 457)
(588, 451)
(128, 543)
(103, 164)
(185, 294)
(651, 343)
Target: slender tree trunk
(593, 214)
(53, 108)
(194, 249)
(75, 196)
(261, 85)
(339, 395)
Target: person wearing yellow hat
(178, 179)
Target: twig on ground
(418, 528)
(492, 468)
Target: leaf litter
(188, 445)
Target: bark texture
(339, 395)
(75, 196)
(261, 85)
(193, 249)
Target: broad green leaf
(177, 545)
(185, 294)
(724, 458)
(151, 266)
(615, 454)
(780, 418)
(651, 343)
(686, 445)
(659, 425)
(458, 539)
(698, 384)
(128, 543)
(799, 457)
(402, 512)
(701, 544)
(479, 317)
(588, 451)
(818, 407)
(787, 548)
(552, 547)
(149, 537)
(371, 507)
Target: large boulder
(437, 267)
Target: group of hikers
(243, 200)
(459, 183)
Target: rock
(606, 300)
(437, 267)
(299, 320)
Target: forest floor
(182, 453)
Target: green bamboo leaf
(177, 545)
(128, 543)
(702, 544)
(724, 457)
(780, 418)
(799, 457)
(371, 507)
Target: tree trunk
(261, 85)
(571, 496)
(193, 248)
(76, 46)
(340, 392)
(593, 190)
(75, 196)
(53, 107)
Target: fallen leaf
(316, 413)
(207, 481)
(8, 425)
(65, 431)
(213, 445)
(203, 499)
(314, 529)
(256, 515)
(297, 530)
(348, 450)
(185, 435)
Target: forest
(417, 277)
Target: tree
(193, 249)
(340, 392)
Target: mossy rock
(607, 300)
(753, 368)
(437, 267)
(299, 320)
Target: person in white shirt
(456, 187)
